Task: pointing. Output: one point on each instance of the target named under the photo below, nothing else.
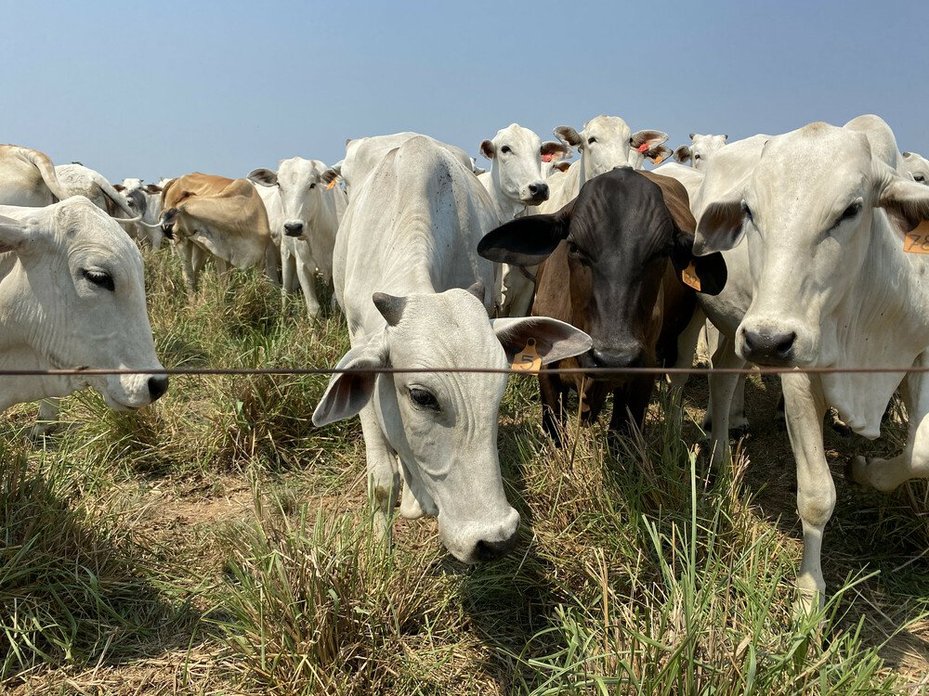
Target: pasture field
(216, 543)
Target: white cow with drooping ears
(700, 150)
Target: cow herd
(800, 250)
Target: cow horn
(477, 289)
(390, 307)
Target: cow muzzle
(535, 194)
(767, 344)
(293, 228)
(479, 542)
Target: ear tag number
(527, 360)
(917, 241)
(330, 185)
(658, 160)
(689, 277)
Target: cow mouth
(535, 200)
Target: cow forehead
(607, 126)
(298, 169)
(813, 164)
(618, 202)
(514, 133)
(89, 232)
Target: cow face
(700, 149)
(607, 142)
(917, 166)
(76, 298)
(516, 163)
(809, 216)
(302, 187)
(606, 255)
(443, 426)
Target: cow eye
(747, 212)
(591, 140)
(506, 148)
(100, 278)
(423, 398)
(313, 186)
(849, 213)
(696, 157)
(919, 177)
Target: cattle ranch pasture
(217, 543)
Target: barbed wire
(589, 371)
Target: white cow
(604, 143)
(406, 246)
(917, 166)
(815, 221)
(311, 214)
(145, 200)
(363, 154)
(72, 295)
(701, 148)
(28, 178)
(78, 180)
(515, 182)
(271, 197)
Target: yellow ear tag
(527, 360)
(689, 277)
(331, 185)
(658, 160)
(917, 240)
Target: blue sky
(161, 88)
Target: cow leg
(738, 421)
(886, 475)
(804, 409)
(198, 259)
(554, 417)
(687, 344)
(629, 404)
(383, 474)
(47, 420)
(306, 274)
(186, 251)
(288, 268)
(517, 293)
(273, 264)
(722, 387)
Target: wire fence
(590, 372)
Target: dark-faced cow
(613, 258)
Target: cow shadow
(74, 590)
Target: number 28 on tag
(916, 241)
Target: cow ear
(710, 270)
(488, 149)
(349, 392)
(526, 241)
(151, 188)
(262, 176)
(553, 340)
(647, 142)
(720, 227)
(554, 148)
(905, 200)
(682, 154)
(569, 135)
(562, 165)
(119, 187)
(658, 154)
(14, 234)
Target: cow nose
(539, 191)
(293, 229)
(604, 357)
(157, 386)
(763, 346)
(491, 550)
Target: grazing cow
(78, 180)
(604, 143)
(701, 148)
(917, 166)
(145, 200)
(311, 214)
(214, 216)
(613, 260)
(72, 295)
(363, 154)
(28, 178)
(828, 282)
(405, 248)
(514, 182)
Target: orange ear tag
(330, 185)
(527, 360)
(658, 160)
(917, 240)
(689, 277)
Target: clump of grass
(315, 604)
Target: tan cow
(212, 216)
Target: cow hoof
(739, 432)
(838, 425)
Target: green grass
(217, 543)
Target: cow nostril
(157, 386)
(491, 550)
(783, 343)
(293, 229)
(762, 344)
(539, 190)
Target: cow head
(76, 298)
(516, 159)
(302, 184)
(917, 166)
(810, 215)
(443, 425)
(607, 142)
(606, 254)
(700, 149)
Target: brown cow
(215, 216)
(613, 264)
